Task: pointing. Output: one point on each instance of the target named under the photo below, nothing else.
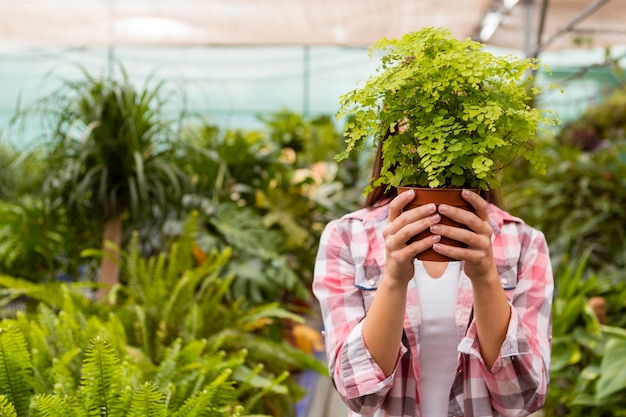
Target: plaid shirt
(348, 269)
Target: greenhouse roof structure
(529, 25)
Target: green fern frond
(167, 367)
(116, 332)
(188, 367)
(252, 401)
(153, 277)
(131, 268)
(251, 380)
(52, 293)
(211, 269)
(15, 369)
(211, 401)
(49, 324)
(38, 348)
(142, 328)
(193, 323)
(278, 356)
(172, 270)
(6, 408)
(181, 295)
(68, 331)
(215, 289)
(148, 401)
(46, 405)
(250, 318)
(40, 358)
(186, 240)
(101, 380)
(65, 375)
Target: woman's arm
(517, 379)
(382, 327)
(491, 308)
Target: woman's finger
(481, 206)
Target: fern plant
(194, 379)
(174, 324)
(447, 112)
(16, 370)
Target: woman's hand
(491, 309)
(402, 226)
(478, 256)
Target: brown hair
(382, 194)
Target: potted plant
(448, 114)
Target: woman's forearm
(492, 313)
(382, 327)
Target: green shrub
(588, 358)
(172, 324)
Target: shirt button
(504, 281)
(372, 282)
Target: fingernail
(432, 208)
(443, 208)
(435, 218)
(434, 228)
(465, 192)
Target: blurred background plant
(579, 205)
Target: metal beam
(571, 26)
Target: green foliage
(449, 113)
(148, 401)
(587, 357)
(580, 201)
(15, 371)
(173, 324)
(33, 237)
(101, 383)
(603, 121)
(259, 197)
(108, 147)
(6, 408)
(109, 386)
(21, 171)
(8, 175)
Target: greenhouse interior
(171, 174)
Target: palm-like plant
(110, 158)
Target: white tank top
(437, 337)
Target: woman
(411, 338)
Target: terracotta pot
(449, 196)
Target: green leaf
(6, 407)
(148, 401)
(612, 378)
(15, 369)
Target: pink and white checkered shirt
(348, 269)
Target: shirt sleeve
(517, 382)
(357, 377)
